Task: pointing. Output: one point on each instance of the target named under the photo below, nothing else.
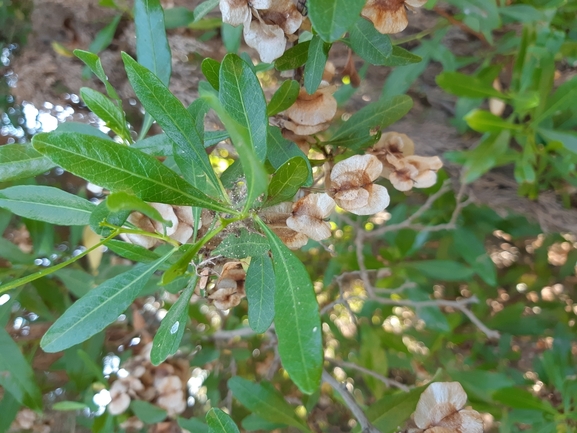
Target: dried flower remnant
(395, 143)
(171, 394)
(283, 13)
(352, 185)
(121, 393)
(440, 410)
(308, 216)
(181, 229)
(312, 113)
(276, 218)
(389, 16)
(237, 12)
(414, 171)
(229, 288)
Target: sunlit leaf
(243, 245)
(284, 97)
(297, 317)
(287, 180)
(120, 168)
(220, 422)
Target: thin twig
(461, 25)
(388, 382)
(357, 412)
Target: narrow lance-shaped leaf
(401, 57)
(485, 121)
(280, 150)
(315, 66)
(152, 49)
(379, 114)
(293, 57)
(16, 375)
(211, 70)
(284, 97)
(99, 308)
(19, 161)
(102, 39)
(242, 97)
(121, 168)
(169, 335)
(121, 201)
(93, 62)
(220, 422)
(104, 108)
(260, 289)
(172, 116)
(287, 180)
(243, 245)
(467, 86)
(48, 204)
(297, 318)
(264, 400)
(255, 174)
(332, 18)
(367, 42)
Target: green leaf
(294, 57)
(260, 289)
(177, 17)
(99, 308)
(93, 62)
(379, 114)
(394, 410)
(332, 18)
(367, 42)
(486, 155)
(280, 150)
(147, 412)
(231, 37)
(445, 270)
(48, 204)
(297, 318)
(473, 251)
(104, 37)
(467, 86)
(211, 70)
(102, 214)
(563, 98)
(107, 111)
(484, 121)
(242, 97)
(220, 422)
(244, 245)
(121, 168)
(9, 408)
(132, 252)
(19, 161)
(254, 422)
(265, 401)
(315, 66)
(16, 375)
(152, 49)
(284, 97)
(169, 335)
(13, 254)
(76, 281)
(401, 57)
(254, 171)
(204, 8)
(567, 138)
(193, 425)
(82, 128)
(69, 405)
(171, 115)
(287, 180)
(519, 398)
(122, 201)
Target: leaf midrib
(139, 277)
(199, 200)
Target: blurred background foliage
(515, 94)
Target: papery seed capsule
(302, 7)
